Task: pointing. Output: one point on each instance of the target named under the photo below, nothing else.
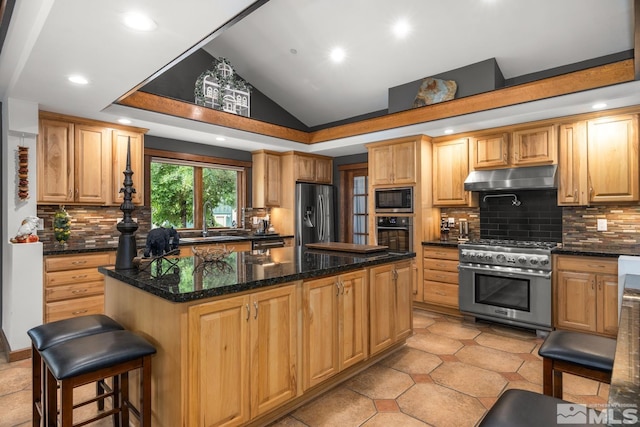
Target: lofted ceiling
(50, 39)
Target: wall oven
(394, 200)
(396, 232)
(506, 284)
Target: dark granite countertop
(625, 378)
(79, 248)
(447, 243)
(598, 249)
(242, 271)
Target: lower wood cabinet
(586, 291)
(390, 300)
(440, 276)
(243, 360)
(73, 286)
(334, 325)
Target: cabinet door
(324, 171)
(218, 367)
(305, 168)
(403, 300)
(535, 146)
(382, 307)
(55, 162)
(274, 335)
(272, 180)
(576, 301)
(491, 151)
(572, 164)
(352, 339)
(450, 169)
(404, 163)
(92, 159)
(613, 159)
(608, 304)
(320, 302)
(119, 139)
(382, 165)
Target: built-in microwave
(394, 200)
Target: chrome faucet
(205, 231)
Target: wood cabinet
(440, 276)
(244, 359)
(390, 291)
(392, 162)
(334, 325)
(119, 141)
(523, 147)
(266, 179)
(587, 294)
(238, 246)
(73, 286)
(81, 161)
(450, 169)
(312, 168)
(598, 161)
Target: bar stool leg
(66, 403)
(116, 399)
(547, 377)
(36, 387)
(51, 400)
(145, 387)
(123, 395)
(557, 384)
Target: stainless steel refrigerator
(314, 213)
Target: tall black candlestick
(127, 242)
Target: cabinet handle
(79, 291)
(75, 313)
(255, 304)
(415, 292)
(79, 262)
(342, 286)
(590, 192)
(248, 312)
(337, 288)
(575, 194)
(81, 276)
(442, 294)
(596, 266)
(70, 193)
(440, 265)
(593, 285)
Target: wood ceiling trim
(591, 78)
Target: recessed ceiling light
(293, 51)
(338, 54)
(78, 79)
(124, 121)
(139, 22)
(219, 138)
(448, 131)
(401, 29)
(599, 106)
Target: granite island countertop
(182, 279)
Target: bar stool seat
(523, 408)
(49, 334)
(90, 358)
(577, 353)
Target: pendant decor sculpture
(23, 173)
(222, 89)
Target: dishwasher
(267, 244)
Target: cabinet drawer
(440, 264)
(57, 293)
(442, 253)
(73, 308)
(587, 264)
(75, 262)
(84, 275)
(441, 276)
(441, 293)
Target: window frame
(243, 168)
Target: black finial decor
(127, 241)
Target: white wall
(21, 263)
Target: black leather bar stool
(576, 353)
(49, 334)
(523, 408)
(88, 359)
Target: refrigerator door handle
(321, 219)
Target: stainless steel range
(507, 281)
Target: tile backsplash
(623, 226)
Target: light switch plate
(452, 221)
(602, 224)
(40, 224)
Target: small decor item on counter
(23, 173)
(61, 226)
(161, 241)
(126, 251)
(26, 231)
(444, 229)
(463, 230)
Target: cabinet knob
(78, 291)
(75, 313)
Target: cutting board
(347, 247)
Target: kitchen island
(247, 339)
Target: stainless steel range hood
(529, 178)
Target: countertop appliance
(507, 281)
(314, 215)
(394, 200)
(396, 232)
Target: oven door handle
(505, 271)
(393, 228)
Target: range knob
(544, 261)
(522, 260)
(488, 257)
(534, 261)
(501, 258)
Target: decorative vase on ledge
(61, 226)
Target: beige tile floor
(449, 373)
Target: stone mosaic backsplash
(472, 215)
(92, 226)
(580, 226)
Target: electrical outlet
(452, 222)
(602, 224)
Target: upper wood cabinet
(450, 169)
(490, 151)
(79, 161)
(317, 169)
(392, 162)
(598, 161)
(266, 179)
